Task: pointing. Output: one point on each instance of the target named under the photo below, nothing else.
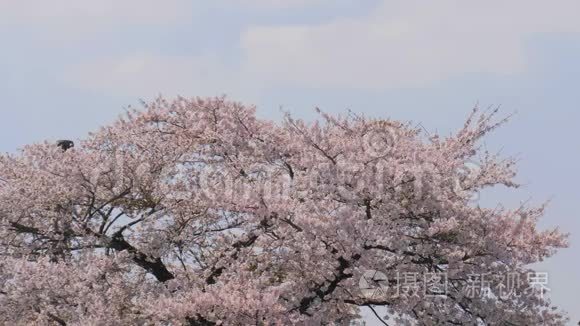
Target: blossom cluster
(196, 212)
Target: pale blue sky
(69, 66)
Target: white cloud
(400, 44)
(82, 12)
(145, 75)
(281, 4)
(69, 20)
(409, 43)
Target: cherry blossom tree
(196, 212)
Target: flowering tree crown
(194, 211)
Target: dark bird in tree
(65, 144)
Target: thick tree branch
(153, 265)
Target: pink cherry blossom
(196, 212)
